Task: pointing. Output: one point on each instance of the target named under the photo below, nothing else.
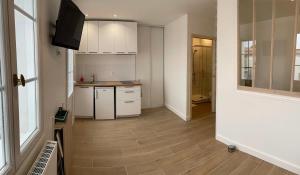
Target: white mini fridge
(104, 103)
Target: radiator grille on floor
(41, 162)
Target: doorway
(203, 79)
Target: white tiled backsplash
(105, 67)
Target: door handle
(96, 94)
(19, 81)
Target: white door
(157, 67)
(84, 101)
(104, 103)
(120, 38)
(106, 37)
(93, 38)
(84, 39)
(131, 37)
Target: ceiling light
(115, 15)
(86, 15)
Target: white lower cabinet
(128, 101)
(84, 101)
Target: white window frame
(248, 54)
(270, 89)
(21, 153)
(16, 156)
(70, 91)
(8, 128)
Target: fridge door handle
(97, 95)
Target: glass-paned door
(26, 70)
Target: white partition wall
(176, 66)
(264, 125)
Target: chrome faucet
(92, 80)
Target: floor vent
(46, 162)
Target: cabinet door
(106, 37)
(120, 38)
(84, 103)
(131, 37)
(104, 103)
(93, 37)
(84, 39)
(157, 67)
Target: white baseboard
(264, 156)
(181, 115)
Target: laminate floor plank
(158, 143)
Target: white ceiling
(150, 12)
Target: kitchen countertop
(109, 83)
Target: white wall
(105, 67)
(176, 66)
(266, 126)
(203, 26)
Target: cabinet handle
(129, 92)
(120, 52)
(129, 102)
(106, 52)
(84, 87)
(97, 94)
(93, 52)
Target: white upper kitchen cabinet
(84, 39)
(109, 37)
(120, 46)
(107, 31)
(131, 37)
(92, 37)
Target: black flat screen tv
(69, 26)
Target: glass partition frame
(291, 92)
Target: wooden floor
(158, 143)
(200, 110)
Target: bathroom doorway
(203, 76)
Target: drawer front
(128, 93)
(128, 107)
